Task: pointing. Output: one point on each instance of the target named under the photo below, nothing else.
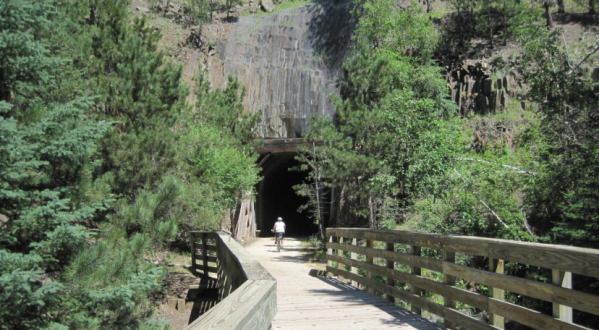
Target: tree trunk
(548, 17)
(560, 7)
(429, 6)
(92, 14)
(490, 21)
(168, 4)
(592, 10)
(371, 213)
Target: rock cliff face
(287, 61)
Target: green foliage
(26, 302)
(223, 108)
(390, 134)
(201, 11)
(565, 191)
(150, 213)
(91, 135)
(215, 151)
(25, 61)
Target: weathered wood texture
(288, 145)
(203, 251)
(246, 223)
(563, 260)
(247, 292)
(306, 301)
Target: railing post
(205, 253)
(391, 265)
(449, 280)
(497, 266)
(563, 279)
(417, 251)
(354, 256)
(340, 253)
(330, 251)
(370, 261)
(193, 252)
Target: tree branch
(483, 203)
(596, 49)
(506, 166)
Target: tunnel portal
(276, 196)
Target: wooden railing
(247, 292)
(353, 255)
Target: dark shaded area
(204, 296)
(583, 19)
(276, 197)
(331, 29)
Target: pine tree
(391, 104)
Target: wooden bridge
(379, 271)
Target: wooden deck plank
(306, 302)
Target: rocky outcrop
(287, 61)
(267, 5)
(475, 91)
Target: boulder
(267, 5)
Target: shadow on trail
(354, 296)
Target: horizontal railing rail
(247, 292)
(365, 256)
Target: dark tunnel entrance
(277, 198)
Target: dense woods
(105, 164)
(102, 164)
(403, 156)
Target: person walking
(279, 230)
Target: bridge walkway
(308, 302)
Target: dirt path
(308, 302)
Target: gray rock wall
(287, 62)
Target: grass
(279, 7)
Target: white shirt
(279, 227)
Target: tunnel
(277, 198)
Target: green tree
(229, 4)
(25, 60)
(383, 142)
(564, 199)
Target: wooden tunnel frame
(247, 293)
(351, 253)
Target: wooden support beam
(416, 251)
(564, 280)
(193, 238)
(390, 265)
(340, 253)
(354, 256)
(449, 280)
(330, 250)
(369, 260)
(263, 160)
(497, 266)
(205, 254)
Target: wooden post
(340, 253)
(497, 266)
(330, 251)
(563, 279)
(205, 253)
(391, 265)
(369, 260)
(449, 280)
(193, 252)
(417, 251)
(354, 256)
